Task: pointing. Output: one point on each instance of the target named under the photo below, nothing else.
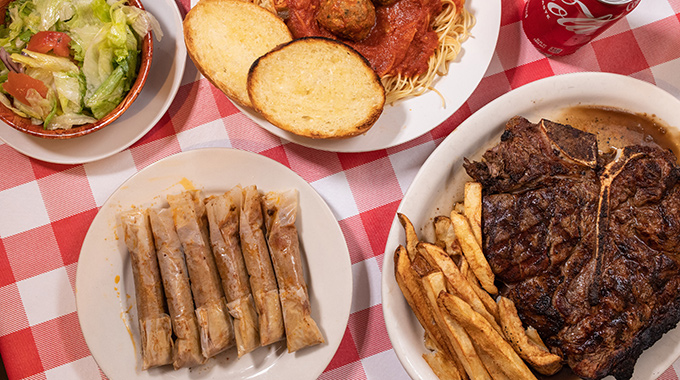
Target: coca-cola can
(560, 27)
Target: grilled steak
(587, 245)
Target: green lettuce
(45, 61)
(105, 40)
(70, 89)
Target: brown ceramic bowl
(24, 124)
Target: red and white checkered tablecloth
(46, 209)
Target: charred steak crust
(588, 245)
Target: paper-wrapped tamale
(280, 209)
(259, 265)
(154, 323)
(187, 352)
(223, 218)
(214, 322)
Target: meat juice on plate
(617, 128)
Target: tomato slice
(18, 84)
(43, 42)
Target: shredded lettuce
(52, 11)
(142, 21)
(8, 103)
(20, 21)
(44, 61)
(67, 120)
(105, 41)
(69, 87)
(44, 75)
(108, 95)
(101, 10)
(38, 108)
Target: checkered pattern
(45, 209)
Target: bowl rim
(146, 54)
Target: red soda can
(560, 27)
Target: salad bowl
(24, 124)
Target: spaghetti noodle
(452, 26)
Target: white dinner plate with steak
(440, 181)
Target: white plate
(440, 181)
(167, 68)
(411, 118)
(108, 317)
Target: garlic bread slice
(316, 87)
(224, 38)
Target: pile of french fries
(450, 287)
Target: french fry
(532, 334)
(473, 252)
(411, 236)
(472, 201)
(433, 284)
(542, 361)
(489, 303)
(444, 237)
(429, 343)
(441, 366)
(465, 269)
(421, 266)
(473, 364)
(412, 289)
(458, 284)
(491, 366)
(488, 339)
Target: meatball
(384, 2)
(350, 19)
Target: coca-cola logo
(587, 23)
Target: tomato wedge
(43, 42)
(18, 84)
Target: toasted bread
(224, 38)
(316, 87)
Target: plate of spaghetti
(429, 54)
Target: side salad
(70, 62)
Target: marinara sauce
(400, 42)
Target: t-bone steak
(586, 243)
